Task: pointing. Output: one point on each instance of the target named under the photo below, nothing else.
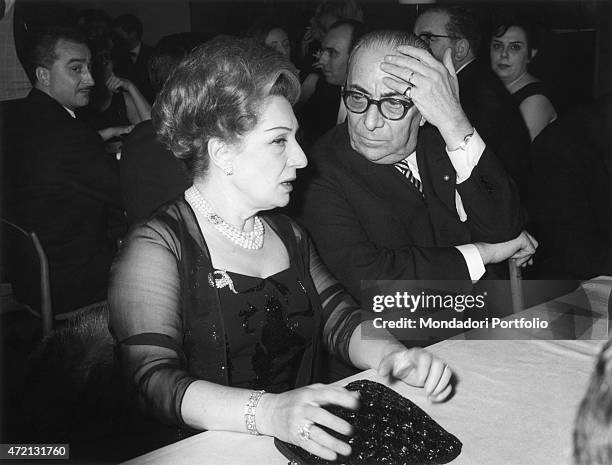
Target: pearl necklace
(252, 240)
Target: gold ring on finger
(304, 431)
(410, 77)
(408, 91)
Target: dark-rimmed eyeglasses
(427, 36)
(391, 108)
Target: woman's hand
(286, 415)
(115, 84)
(418, 367)
(114, 131)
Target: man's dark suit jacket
(138, 71)
(320, 113)
(570, 201)
(491, 110)
(150, 174)
(369, 222)
(63, 186)
(141, 73)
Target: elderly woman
(217, 309)
(512, 49)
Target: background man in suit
(485, 100)
(325, 109)
(150, 174)
(133, 59)
(63, 184)
(391, 201)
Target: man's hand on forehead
(432, 86)
(411, 64)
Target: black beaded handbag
(388, 429)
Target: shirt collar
(464, 65)
(136, 50)
(70, 112)
(409, 157)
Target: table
(515, 402)
(582, 315)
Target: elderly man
(63, 184)
(485, 100)
(392, 201)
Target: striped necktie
(404, 168)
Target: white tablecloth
(514, 404)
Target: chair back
(516, 286)
(27, 270)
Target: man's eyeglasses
(391, 108)
(323, 51)
(427, 36)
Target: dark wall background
(574, 59)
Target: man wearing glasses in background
(393, 200)
(325, 109)
(485, 100)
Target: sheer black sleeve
(341, 314)
(145, 320)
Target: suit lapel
(381, 180)
(384, 182)
(435, 168)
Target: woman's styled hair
(217, 92)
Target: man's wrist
(482, 250)
(455, 134)
(463, 144)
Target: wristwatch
(463, 145)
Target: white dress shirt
(463, 160)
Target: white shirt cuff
(473, 260)
(464, 160)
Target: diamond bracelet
(249, 411)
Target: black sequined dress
(268, 325)
(176, 319)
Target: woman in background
(274, 37)
(116, 101)
(218, 310)
(116, 105)
(512, 49)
